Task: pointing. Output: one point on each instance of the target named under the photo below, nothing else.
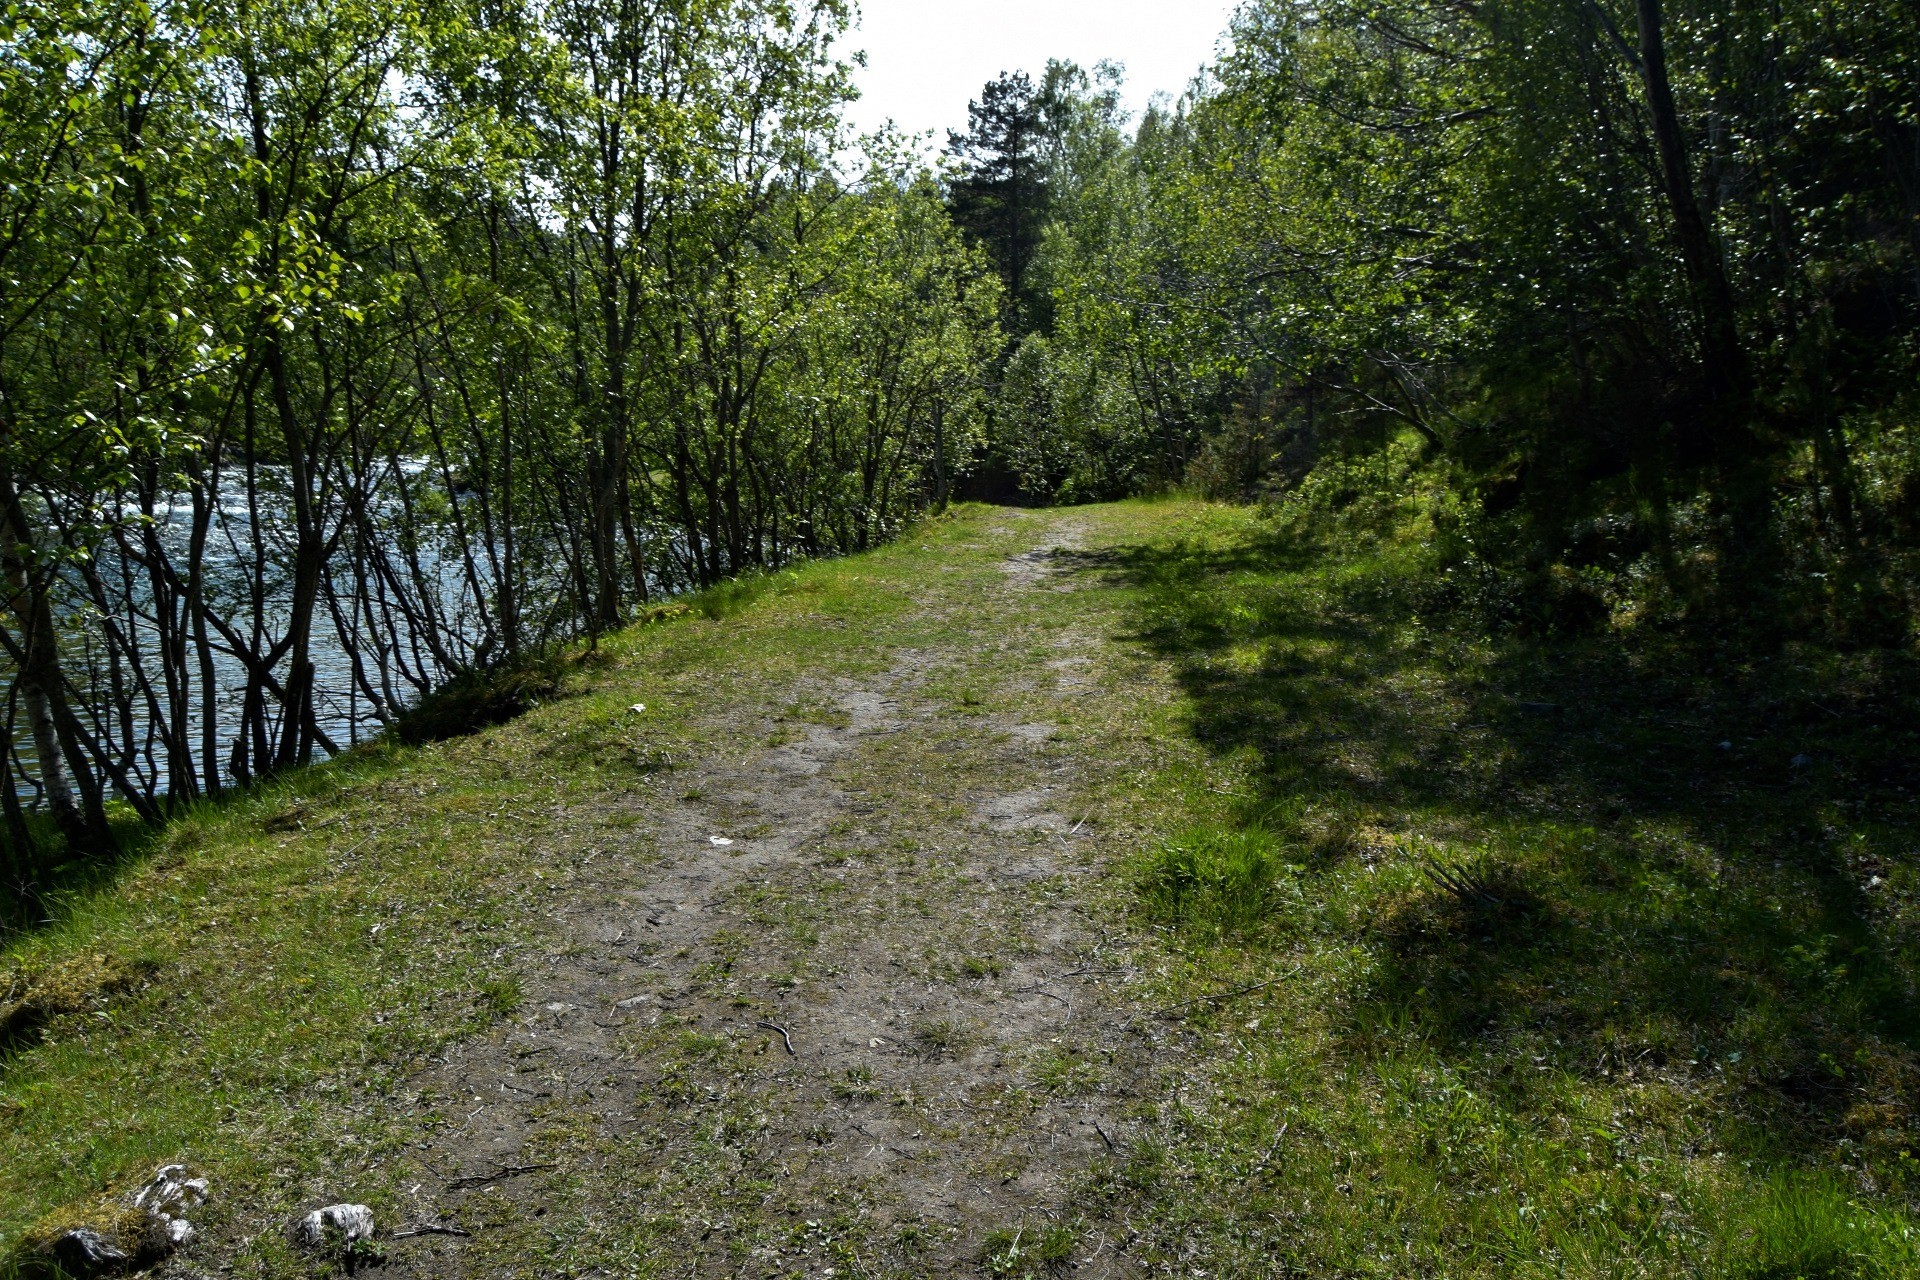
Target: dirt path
(837, 1006)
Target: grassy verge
(1585, 958)
(251, 992)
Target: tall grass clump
(1804, 1226)
(1212, 882)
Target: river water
(437, 572)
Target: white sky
(927, 58)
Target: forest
(349, 350)
(1318, 679)
(1630, 292)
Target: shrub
(481, 698)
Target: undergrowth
(484, 697)
(1584, 950)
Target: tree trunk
(22, 852)
(939, 454)
(297, 719)
(1720, 352)
(72, 796)
(636, 554)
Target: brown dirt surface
(832, 997)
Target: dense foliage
(404, 339)
(1640, 280)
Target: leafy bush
(481, 698)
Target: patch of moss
(32, 998)
(130, 1231)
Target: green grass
(980, 967)
(1547, 981)
(314, 942)
(1213, 882)
(1028, 1251)
(1456, 954)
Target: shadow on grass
(37, 884)
(1614, 859)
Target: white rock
(162, 1203)
(335, 1225)
(170, 1192)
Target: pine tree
(1000, 197)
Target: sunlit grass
(312, 943)
(1216, 883)
(1453, 954)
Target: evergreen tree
(999, 199)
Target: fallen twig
(359, 844)
(1229, 995)
(431, 1229)
(1114, 968)
(506, 1171)
(1267, 1159)
(774, 1026)
(1041, 991)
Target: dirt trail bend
(833, 993)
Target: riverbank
(1119, 887)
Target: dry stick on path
(774, 1026)
(1041, 990)
(1229, 995)
(506, 1171)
